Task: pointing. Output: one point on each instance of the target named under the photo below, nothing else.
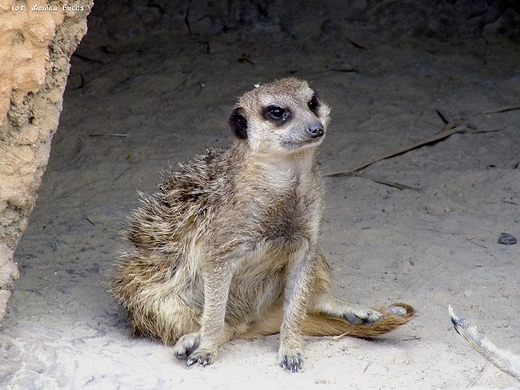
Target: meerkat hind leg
(356, 315)
(331, 317)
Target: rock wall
(37, 39)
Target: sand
(130, 112)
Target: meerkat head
(284, 116)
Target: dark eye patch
(238, 123)
(276, 113)
(314, 103)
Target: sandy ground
(130, 112)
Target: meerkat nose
(315, 130)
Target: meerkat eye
(276, 113)
(314, 103)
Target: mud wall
(37, 39)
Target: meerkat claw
(292, 363)
(200, 360)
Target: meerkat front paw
(363, 316)
(291, 361)
(201, 357)
(186, 345)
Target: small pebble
(321, 381)
(507, 239)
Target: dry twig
(394, 184)
(474, 381)
(503, 109)
(450, 129)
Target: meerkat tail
(504, 360)
(396, 314)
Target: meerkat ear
(238, 123)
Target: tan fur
(504, 360)
(228, 247)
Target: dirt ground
(130, 112)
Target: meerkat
(229, 246)
(504, 360)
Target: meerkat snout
(315, 130)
